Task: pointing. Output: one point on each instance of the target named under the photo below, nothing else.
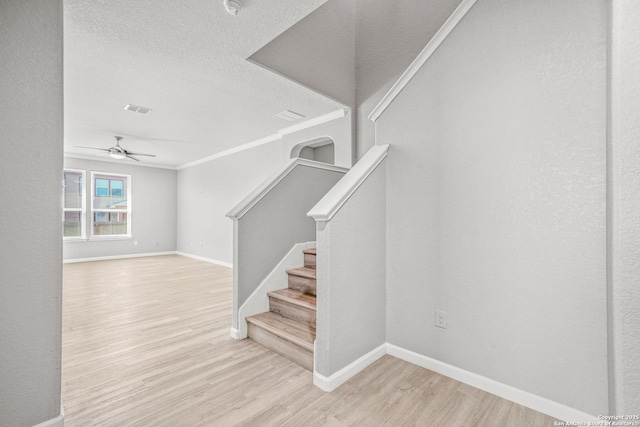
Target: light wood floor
(146, 343)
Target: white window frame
(82, 209)
(128, 211)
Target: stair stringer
(258, 301)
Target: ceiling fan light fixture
(117, 152)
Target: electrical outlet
(441, 319)
(135, 243)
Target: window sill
(105, 238)
(74, 239)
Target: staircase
(289, 327)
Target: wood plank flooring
(146, 343)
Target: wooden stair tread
(309, 273)
(295, 297)
(311, 251)
(288, 329)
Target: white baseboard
(106, 258)
(521, 397)
(344, 374)
(148, 254)
(209, 260)
(235, 333)
(53, 422)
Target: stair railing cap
(267, 185)
(331, 203)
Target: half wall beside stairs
(350, 241)
(272, 219)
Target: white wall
(496, 200)
(389, 35)
(353, 51)
(323, 153)
(153, 211)
(277, 222)
(625, 208)
(206, 192)
(30, 181)
(339, 130)
(317, 52)
(351, 278)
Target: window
(109, 187)
(110, 205)
(73, 195)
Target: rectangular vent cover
(289, 116)
(137, 109)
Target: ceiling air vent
(289, 116)
(137, 109)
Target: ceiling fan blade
(140, 154)
(92, 148)
(132, 158)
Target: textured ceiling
(382, 40)
(186, 61)
(318, 51)
(390, 35)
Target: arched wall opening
(318, 149)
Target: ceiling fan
(117, 152)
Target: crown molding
(239, 148)
(422, 58)
(337, 114)
(120, 162)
